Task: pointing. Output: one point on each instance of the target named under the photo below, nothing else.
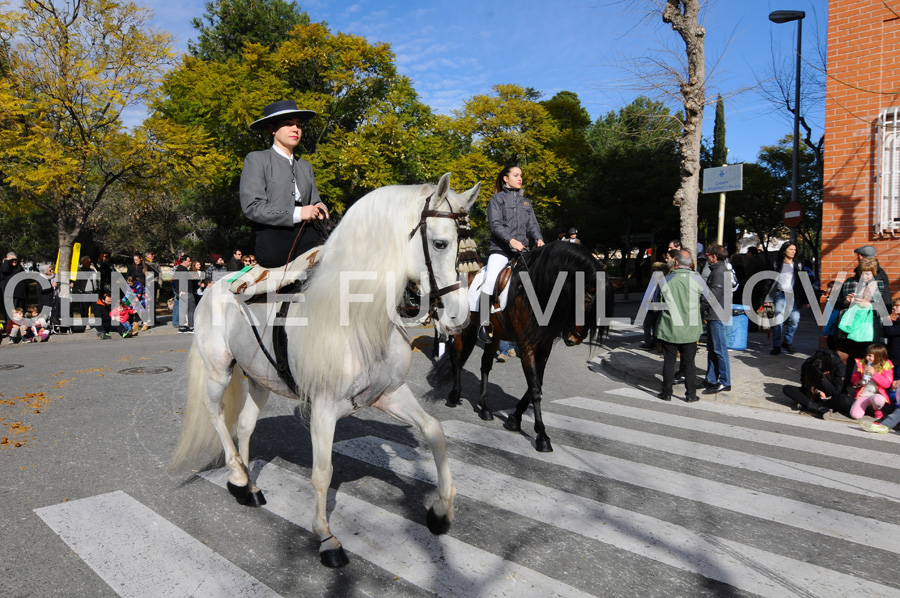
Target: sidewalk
(756, 376)
(162, 326)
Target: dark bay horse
(560, 281)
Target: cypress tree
(719, 152)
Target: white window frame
(887, 188)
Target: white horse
(349, 352)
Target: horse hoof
(452, 403)
(543, 445)
(485, 414)
(245, 497)
(437, 525)
(334, 558)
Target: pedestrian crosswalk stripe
(139, 553)
(847, 428)
(742, 566)
(770, 439)
(777, 509)
(789, 470)
(440, 564)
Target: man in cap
(850, 284)
(278, 191)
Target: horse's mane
(370, 240)
(543, 265)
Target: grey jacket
(511, 216)
(267, 187)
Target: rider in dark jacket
(512, 222)
(511, 216)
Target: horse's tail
(198, 436)
(441, 373)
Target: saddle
(261, 281)
(254, 285)
(502, 283)
(498, 293)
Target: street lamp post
(786, 16)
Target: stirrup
(484, 334)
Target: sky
(454, 50)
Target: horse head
(580, 331)
(434, 251)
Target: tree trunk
(682, 15)
(66, 243)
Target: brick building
(862, 136)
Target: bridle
(434, 293)
(590, 301)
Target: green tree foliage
(572, 145)
(366, 134)
(633, 175)
(767, 188)
(229, 24)
(510, 126)
(719, 151)
(73, 68)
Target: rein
(434, 293)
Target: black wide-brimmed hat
(279, 111)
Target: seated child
(121, 315)
(39, 331)
(14, 326)
(871, 379)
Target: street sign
(723, 178)
(793, 214)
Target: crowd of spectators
(113, 300)
(856, 376)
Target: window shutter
(888, 193)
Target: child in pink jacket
(872, 377)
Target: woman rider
(512, 223)
(278, 191)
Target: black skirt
(278, 245)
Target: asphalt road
(638, 498)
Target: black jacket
(7, 271)
(892, 335)
(718, 281)
(101, 310)
(831, 384)
(800, 296)
(137, 271)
